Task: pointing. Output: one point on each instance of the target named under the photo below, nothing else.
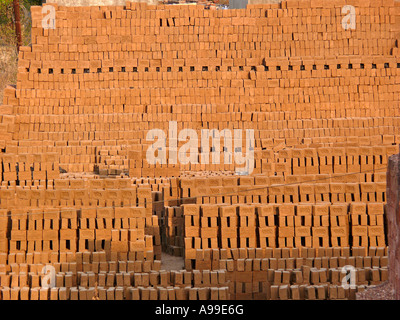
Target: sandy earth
(383, 291)
(169, 262)
(8, 68)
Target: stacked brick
(229, 226)
(78, 230)
(302, 227)
(325, 120)
(267, 229)
(286, 229)
(111, 160)
(376, 224)
(88, 275)
(4, 230)
(172, 231)
(320, 228)
(138, 91)
(339, 225)
(29, 169)
(191, 215)
(312, 189)
(296, 274)
(321, 225)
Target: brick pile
(77, 191)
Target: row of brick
(115, 293)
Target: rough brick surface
(393, 219)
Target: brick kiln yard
(79, 196)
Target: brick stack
(266, 226)
(172, 231)
(376, 224)
(229, 227)
(339, 225)
(247, 227)
(85, 139)
(324, 116)
(320, 229)
(209, 231)
(4, 229)
(192, 230)
(69, 231)
(286, 230)
(18, 232)
(302, 226)
(359, 222)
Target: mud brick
(18, 235)
(52, 214)
(267, 232)
(375, 231)
(209, 232)
(247, 221)
(68, 234)
(122, 213)
(304, 210)
(339, 237)
(286, 221)
(9, 176)
(286, 242)
(103, 234)
(105, 213)
(69, 245)
(359, 231)
(208, 222)
(191, 210)
(302, 231)
(69, 213)
(286, 210)
(86, 234)
(286, 232)
(192, 231)
(359, 219)
(321, 209)
(209, 211)
(320, 236)
(307, 193)
(266, 221)
(265, 210)
(229, 222)
(375, 208)
(121, 246)
(49, 234)
(303, 221)
(88, 213)
(321, 221)
(248, 232)
(227, 211)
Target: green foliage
(8, 52)
(7, 29)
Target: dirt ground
(8, 68)
(169, 262)
(383, 291)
